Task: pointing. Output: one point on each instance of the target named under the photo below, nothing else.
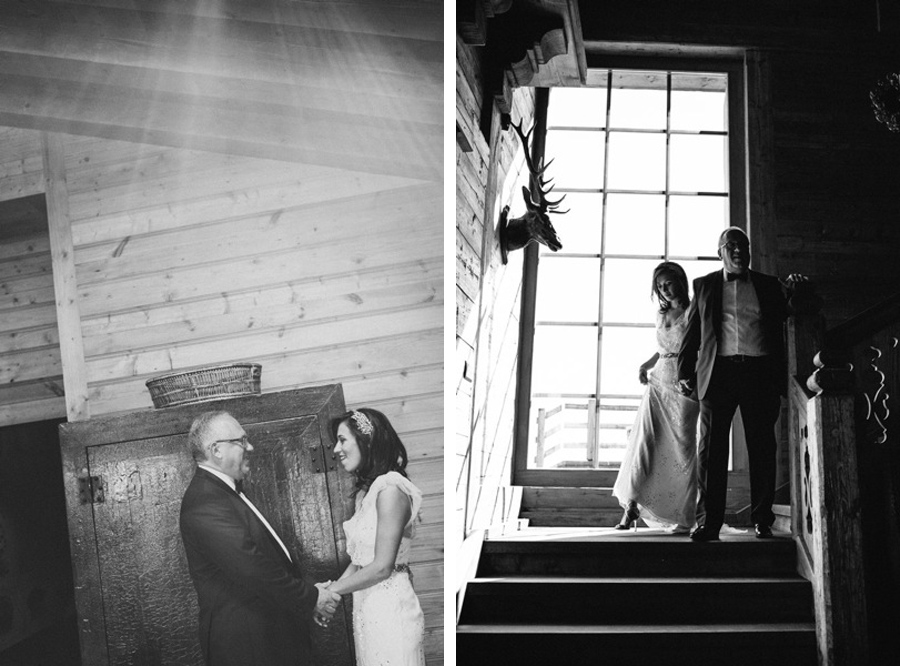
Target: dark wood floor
(56, 645)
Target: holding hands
(326, 605)
(685, 386)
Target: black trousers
(750, 383)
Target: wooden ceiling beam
(416, 19)
(409, 155)
(246, 50)
(401, 100)
(327, 92)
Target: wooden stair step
(609, 516)
(782, 517)
(626, 554)
(595, 506)
(550, 497)
(573, 517)
(616, 601)
(802, 628)
(640, 644)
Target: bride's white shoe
(679, 529)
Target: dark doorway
(37, 602)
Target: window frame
(734, 68)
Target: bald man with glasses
(733, 355)
(255, 607)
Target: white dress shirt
(227, 479)
(742, 331)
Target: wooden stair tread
(623, 537)
(680, 580)
(786, 627)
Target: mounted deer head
(535, 224)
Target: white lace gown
(659, 468)
(388, 624)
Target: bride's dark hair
(381, 449)
(681, 284)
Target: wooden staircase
(589, 596)
(549, 506)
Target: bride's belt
(404, 568)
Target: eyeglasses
(242, 442)
(733, 245)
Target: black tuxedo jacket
(704, 327)
(255, 609)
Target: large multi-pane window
(645, 160)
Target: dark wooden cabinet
(124, 478)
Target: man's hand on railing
(793, 279)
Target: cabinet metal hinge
(323, 458)
(90, 490)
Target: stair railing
(869, 343)
(825, 499)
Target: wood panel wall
(31, 386)
(822, 181)
(487, 305)
(836, 207)
(823, 171)
(186, 258)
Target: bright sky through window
(645, 172)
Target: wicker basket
(204, 384)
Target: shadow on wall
(37, 607)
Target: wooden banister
(825, 507)
(845, 475)
(839, 584)
(869, 342)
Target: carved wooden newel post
(805, 331)
(834, 512)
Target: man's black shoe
(763, 531)
(704, 534)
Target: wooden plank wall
(823, 182)
(487, 307)
(823, 174)
(31, 386)
(186, 258)
(835, 168)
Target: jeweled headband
(363, 424)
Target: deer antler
(537, 174)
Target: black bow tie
(238, 486)
(738, 276)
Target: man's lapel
(260, 531)
(263, 532)
(717, 282)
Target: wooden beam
(64, 282)
(350, 139)
(303, 82)
(396, 18)
(390, 95)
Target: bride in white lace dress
(658, 476)
(388, 624)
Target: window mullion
(668, 164)
(597, 404)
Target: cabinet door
(135, 599)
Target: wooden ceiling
(356, 84)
